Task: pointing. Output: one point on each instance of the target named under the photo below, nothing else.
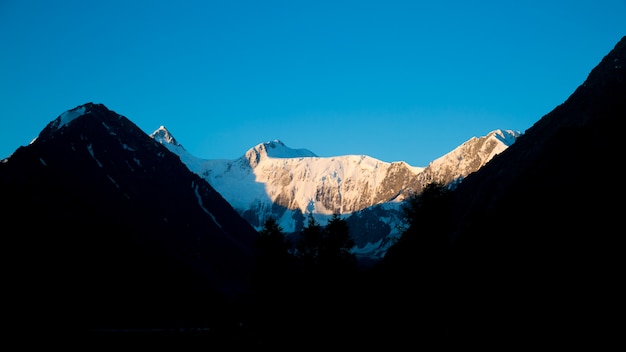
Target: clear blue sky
(396, 80)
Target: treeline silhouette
(311, 289)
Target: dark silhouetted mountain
(105, 228)
(536, 231)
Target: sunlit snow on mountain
(273, 180)
(272, 173)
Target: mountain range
(273, 180)
(122, 221)
(106, 227)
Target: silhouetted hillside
(534, 240)
(107, 229)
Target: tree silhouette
(309, 243)
(327, 281)
(274, 262)
(416, 269)
(335, 252)
(326, 248)
(273, 292)
(427, 217)
(271, 241)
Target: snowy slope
(274, 180)
(468, 157)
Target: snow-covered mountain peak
(505, 136)
(163, 136)
(278, 149)
(274, 149)
(470, 156)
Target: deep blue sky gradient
(396, 80)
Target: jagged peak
(503, 139)
(507, 137)
(163, 136)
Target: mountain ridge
(290, 184)
(273, 180)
